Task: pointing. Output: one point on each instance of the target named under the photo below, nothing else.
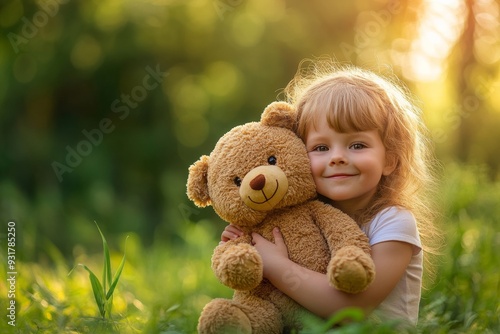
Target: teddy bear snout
(258, 182)
(264, 187)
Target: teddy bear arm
(237, 264)
(338, 228)
(351, 268)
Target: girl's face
(346, 167)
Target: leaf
(173, 308)
(348, 313)
(108, 306)
(106, 274)
(97, 289)
(117, 274)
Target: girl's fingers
(278, 237)
(231, 232)
(226, 236)
(278, 240)
(256, 238)
(234, 229)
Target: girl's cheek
(315, 164)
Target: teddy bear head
(254, 169)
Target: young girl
(369, 158)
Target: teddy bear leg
(249, 314)
(351, 269)
(223, 316)
(264, 316)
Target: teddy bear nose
(258, 182)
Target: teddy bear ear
(280, 114)
(197, 184)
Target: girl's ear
(197, 184)
(391, 162)
(280, 114)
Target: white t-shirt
(397, 224)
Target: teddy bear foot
(351, 270)
(223, 316)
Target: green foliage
(465, 296)
(348, 321)
(104, 296)
(164, 286)
(76, 90)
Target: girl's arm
(311, 289)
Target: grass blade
(108, 306)
(106, 274)
(117, 274)
(97, 289)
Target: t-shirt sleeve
(394, 224)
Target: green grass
(465, 297)
(163, 288)
(102, 294)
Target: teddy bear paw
(351, 270)
(240, 267)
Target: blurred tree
(476, 82)
(105, 104)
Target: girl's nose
(338, 157)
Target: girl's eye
(320, 148)
(357, 146)
(272, 160)
(237, 181)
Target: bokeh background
(105, 104)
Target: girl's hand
(271, 253)
(231, 232)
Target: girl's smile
(340, 176)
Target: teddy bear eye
(237, 181)
(272, 160)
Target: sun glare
(441, 24)
(487, 37)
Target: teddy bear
(258, 177)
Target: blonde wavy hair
(355, 99)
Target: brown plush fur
(258, 177)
